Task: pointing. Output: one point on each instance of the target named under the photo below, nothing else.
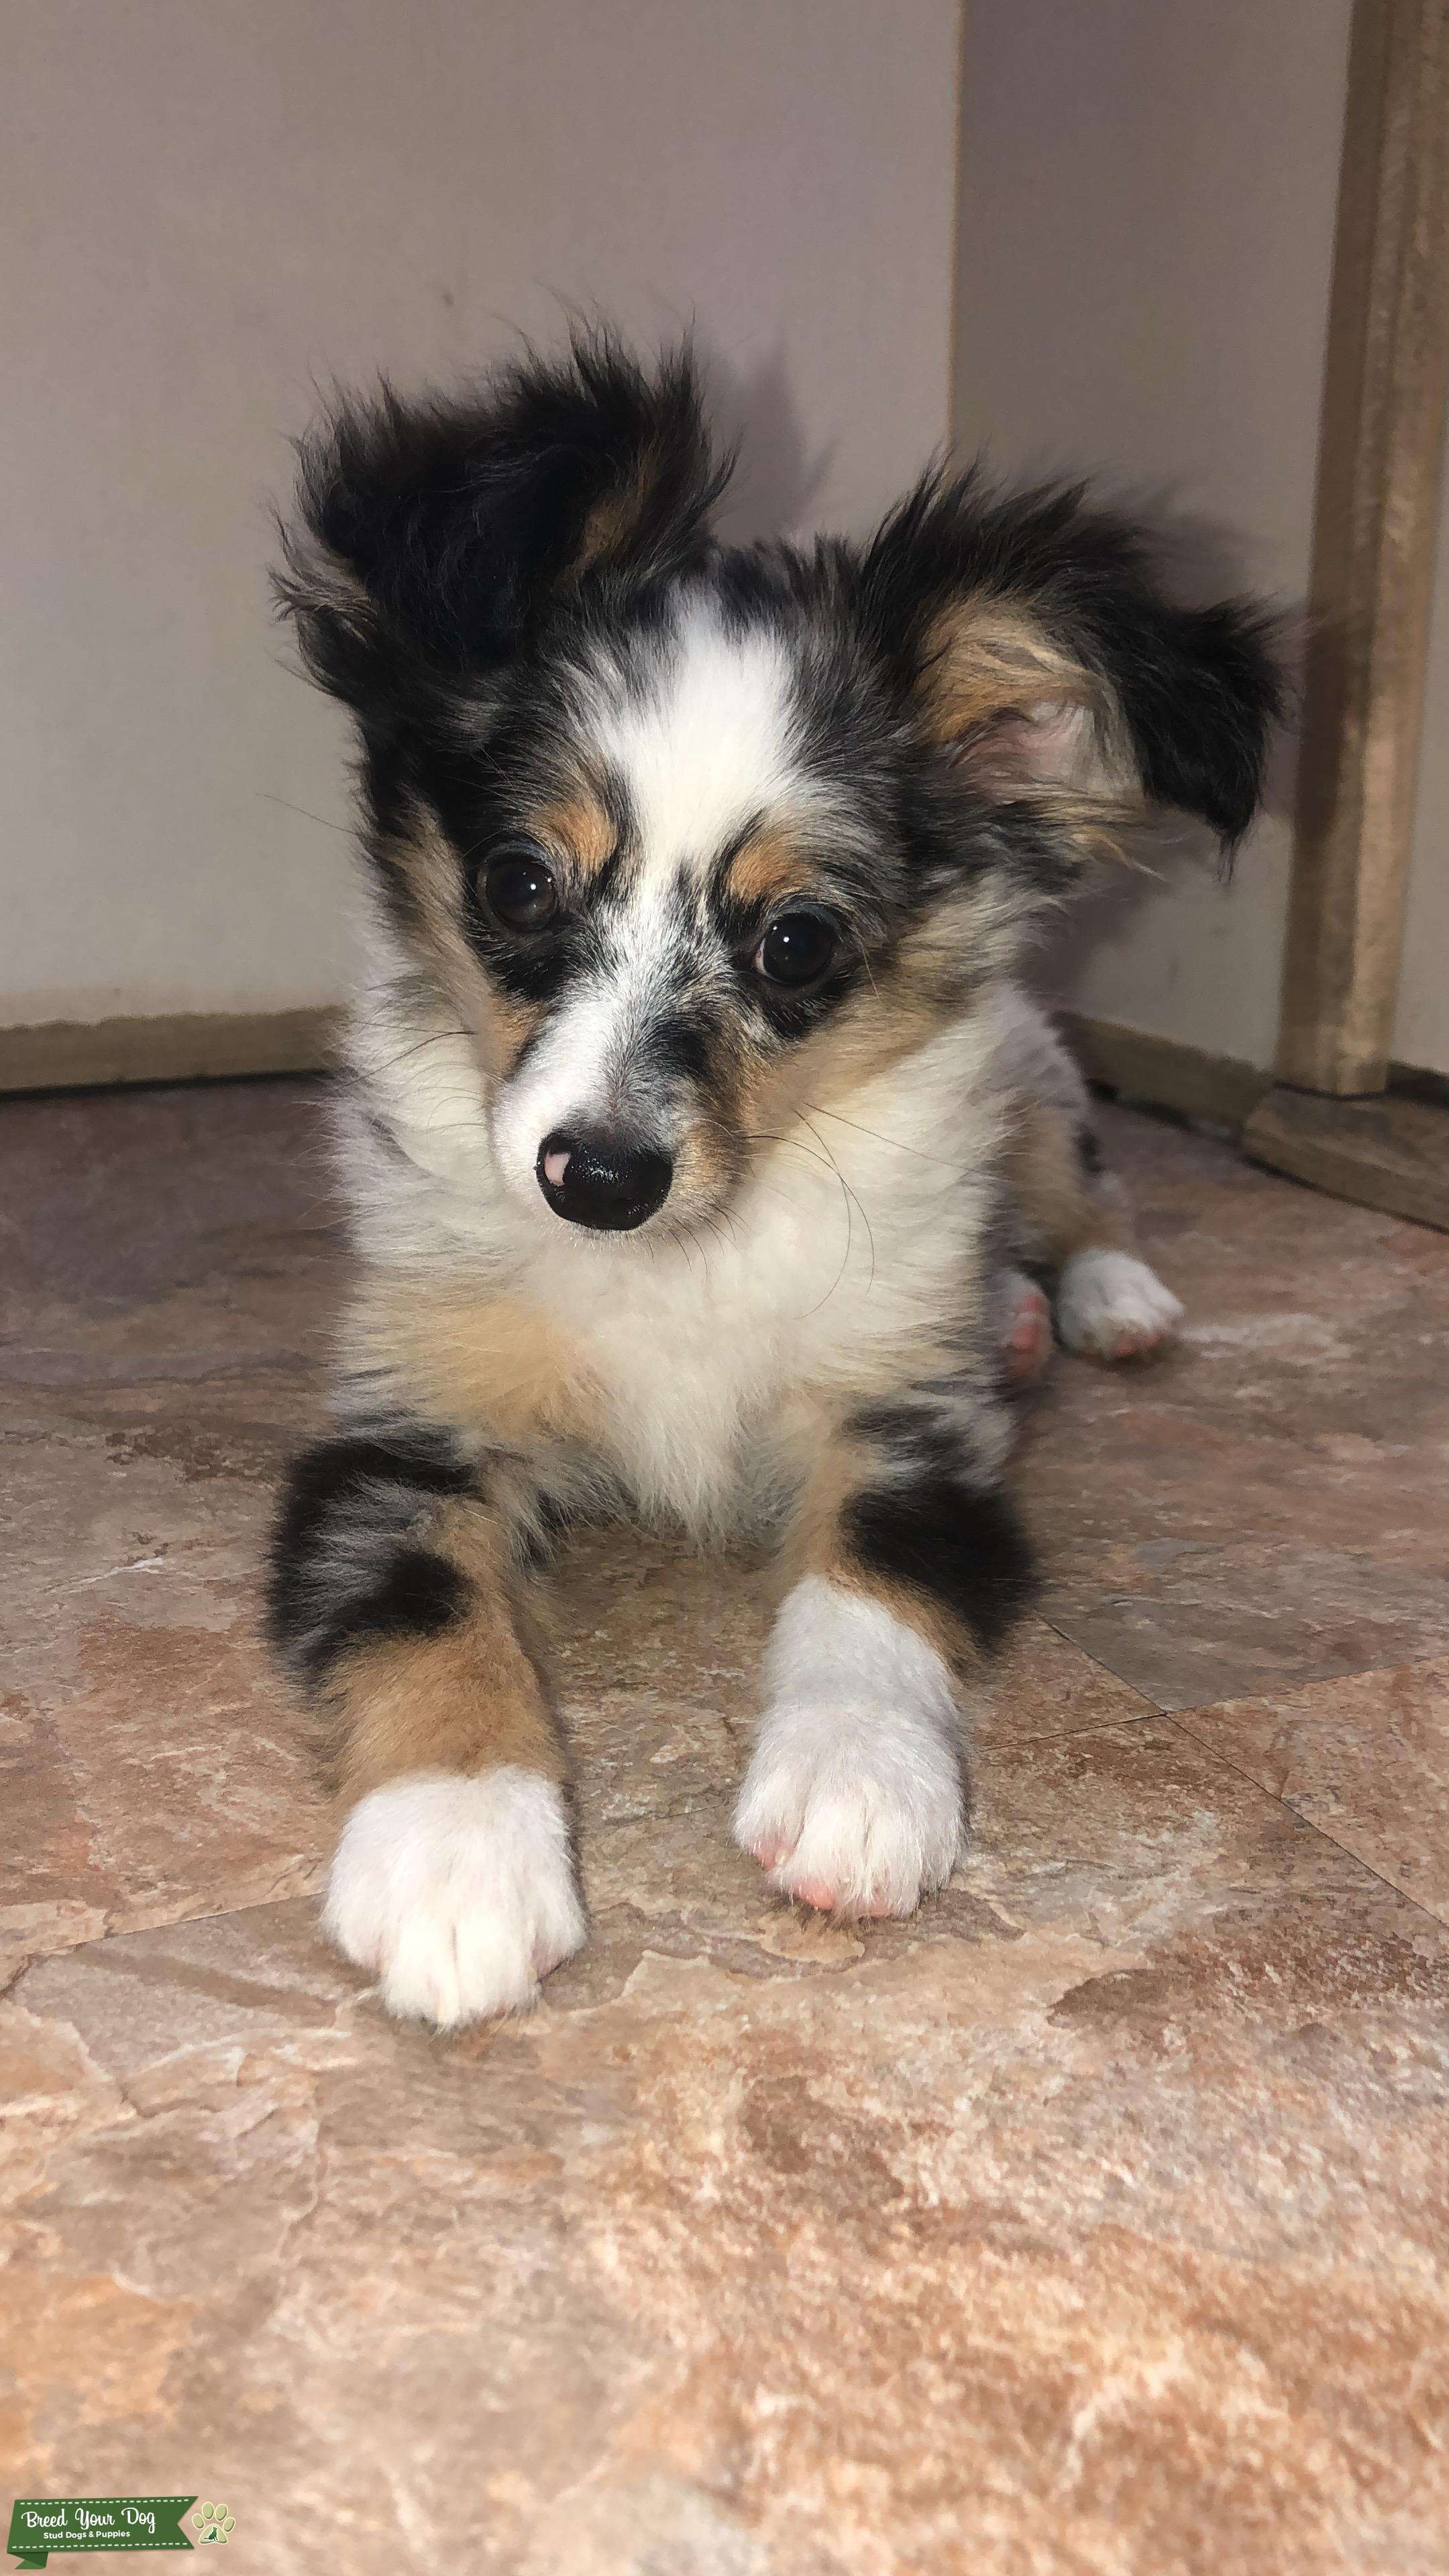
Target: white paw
(853, 1798)
(1024, 1326)
(457, 1892)
(1110, 1306)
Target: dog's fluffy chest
(836, 1269)
(850, 1261)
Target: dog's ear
(445, 528)
(1037, 643)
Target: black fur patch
(344, 1565)
(418, 1594)
(929, 1525)
(458, 519)
(404, 1467)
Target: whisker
(794, 1142)
(851, 1199)
(307, 816)
(820, 1111)
(435, 1039)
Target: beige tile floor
(1097, 2222)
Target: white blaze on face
(702, 751)
(707, 747)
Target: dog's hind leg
(1071, 1222)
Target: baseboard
(180, 1046)
(1390, 1151)
(1164, 1071)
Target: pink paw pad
(1027, 1343)
(828, 1900)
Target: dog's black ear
(445, 527)
(1036, 640)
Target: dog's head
(693, 837)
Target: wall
(1421, 1022)
(210, 209)
(1146, 225)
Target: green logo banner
(40, 2524)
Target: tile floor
(1095, 2224)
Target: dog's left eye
(521, 891)
(797, 948)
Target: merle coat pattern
(707, 1160)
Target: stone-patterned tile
(1093, 2223)
(170, 1266)
(1269, 1503)
(643, 1621)
(152, 1762)
(174, 1779)
(1045, 1685)
(158, 1766)
(1365, 1758)
(163, 1228)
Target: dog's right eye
(520, 890)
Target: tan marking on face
(438, 939)
(428, 864)
(903, 1004)
(504, 1026)
(490, 1364)
(769, 867)
(579, 829)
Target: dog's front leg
(395, 1595)
(908, 1566)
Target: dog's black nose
(602, 1180)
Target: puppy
(705, 1156)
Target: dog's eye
(521, 891)
(797, 948)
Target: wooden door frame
(1332, 1118)
(1379, 467)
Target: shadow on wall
(778, 480)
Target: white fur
(709, 746)
(580, 1075)
(457, 1892)
(853, 1797)
(1112, 1307)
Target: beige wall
(209, 206)
(1421, 1023)
(1147, 201)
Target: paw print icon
(213, 2522)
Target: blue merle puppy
(707, 1160)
